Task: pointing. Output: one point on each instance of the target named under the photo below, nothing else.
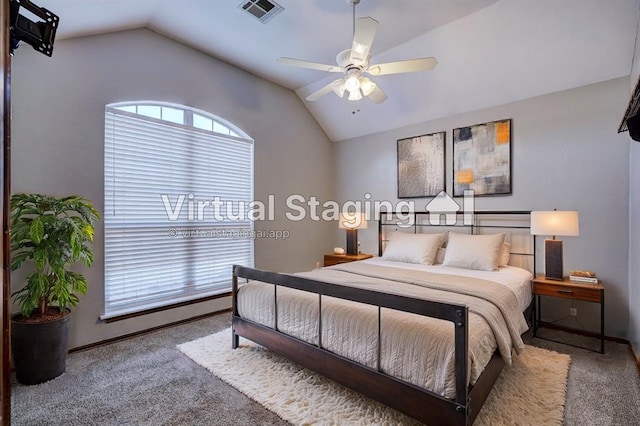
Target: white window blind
(150, 260)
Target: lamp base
(553, 262)
(352, 241)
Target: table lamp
(563, 223)
(352, 222)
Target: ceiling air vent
(262, 10)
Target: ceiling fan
(354, 63)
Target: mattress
(414, 348)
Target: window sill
(164, 308)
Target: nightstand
(566, 289)
(334, 259)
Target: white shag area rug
(530, 392)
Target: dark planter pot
(39, 350)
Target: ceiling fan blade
(326, 89)
(411, 65)
(362, 40)
(377, 96)
(310, 65)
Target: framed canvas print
(482, 159)
(421, 163)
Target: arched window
(176, 183)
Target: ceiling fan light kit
(339, 88)
(355, 95)
(367, 86)
(352, 82)
(355, 61)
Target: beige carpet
(530, 392)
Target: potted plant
(53, 234)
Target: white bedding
(415, 348)
(517, 279)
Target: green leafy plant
(53, 233)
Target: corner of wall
(634, 219)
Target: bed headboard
(516, 224)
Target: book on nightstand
(586, 277)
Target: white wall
(566, 154)
(58, 139)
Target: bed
(428, 340)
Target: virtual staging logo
(442, 209)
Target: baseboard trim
(146, 331)
(582, 332)
(636, 355)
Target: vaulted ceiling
(490, 52)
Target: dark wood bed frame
(419, 403)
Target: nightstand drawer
(576, 293)
(332, 261)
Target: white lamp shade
(367, 86)
(339, 89)
(564, 223)
(352, 83)
(352, 220)
(355, 95)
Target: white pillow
(505, 255)
(479, 252)
(413, 248)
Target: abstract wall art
(421, 165)
(482, 158)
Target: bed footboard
(417, 402)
